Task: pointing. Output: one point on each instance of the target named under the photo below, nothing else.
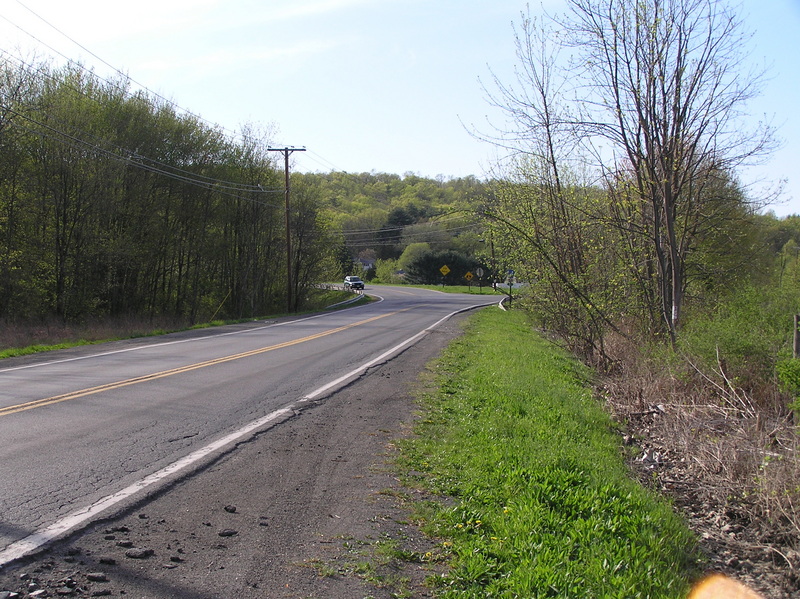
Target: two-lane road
(84, 429)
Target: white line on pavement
(44, 536)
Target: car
(353, 282)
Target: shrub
(743, 336)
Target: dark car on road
(353, 282)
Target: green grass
(542, 503)
(67, 337)
(37, 348)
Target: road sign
(479, 272)
(469, 276)
(444, 270)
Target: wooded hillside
(383, 216)
(112, 203)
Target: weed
(542, 504)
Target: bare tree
(666, 85)
(541, 213)
(653, 98)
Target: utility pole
(286, 152)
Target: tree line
(114, 203)
(387, 221)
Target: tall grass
(541, 503)
(745, 333)
(728, 394)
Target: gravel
(300, 511)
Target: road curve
(86, 428)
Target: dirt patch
(307, 509)
(734, 535)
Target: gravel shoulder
(307, 509)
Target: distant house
(366, 263)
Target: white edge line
(42, 537)
(152, 345)
(396, 349)
(50, 533)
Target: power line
(127, 154)
(112, 67)
(80, 144)
(130, 157)
(383, 230)
(321, 160)
(402, 238)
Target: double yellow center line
(165, 373)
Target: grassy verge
(23, 340)
(539, 501)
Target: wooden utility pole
(286, 152)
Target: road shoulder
(309, 508)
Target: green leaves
(114, 204)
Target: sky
(390, 86)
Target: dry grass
(54, 332)
(728, 457)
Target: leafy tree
(385, 272)
(112, 203)
(651, 101)
(411, 253)
(312, 242)
(386, 213)
(425, 269)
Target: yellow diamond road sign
(468, 276)
(444, 270)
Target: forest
(112, 203)
(115, 204)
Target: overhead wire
(112, 67)
(161, 168)
(96, 144)
(403, 237)
(401, 228)
(313, 156)
(80, 144)
(320, 160)
(33, 70)
(133, 158)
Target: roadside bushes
(425, 268)
(718, 412)
(744, 336)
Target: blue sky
(365, 85)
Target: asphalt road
(85, 429)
